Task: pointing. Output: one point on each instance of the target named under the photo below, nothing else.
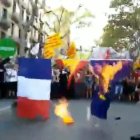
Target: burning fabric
(101, 101)
(61, 110)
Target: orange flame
(61, 110)
(108, 73)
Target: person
(63, 82)
(137, 74)
(2, 68)
(89, 83)
(131, 87)
(79, 76)
(137, 90)
(2, 73)
(55, 75)
(118, 89)
(11, 81)
(55, 82)
(125, 87)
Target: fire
(108, 73)
(61, 110)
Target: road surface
(84, 128)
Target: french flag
(34, 85)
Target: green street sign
(8, 47)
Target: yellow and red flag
(71, 53)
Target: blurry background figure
(79, 76)
(55, 74)
(118, 89)
(11, 80)
(137, 90)
(131, 87)
(79, 84)
(55, 82)
(137, 74)
(64, 75)
(2, 73)
(89, 83)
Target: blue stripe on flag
(100, 107)
(124, 72)
(34, 68)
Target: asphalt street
(85, 127)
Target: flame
(107, 73)
(61, 110)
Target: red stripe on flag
(30, 109)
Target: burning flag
(61, 110)
(108, 72)
(101, 100)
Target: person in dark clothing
(71, 88)
(2, 71)
(125, 87)
(137, 90)
(63, 82)
(55, 83)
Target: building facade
(23, 21)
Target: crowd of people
(65, 84)
(59, 86)
(85, 82)
(129, 87)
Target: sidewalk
(5, 104)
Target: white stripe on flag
(34, 89)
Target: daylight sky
(99, 8)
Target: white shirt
(11, 75)
(55, 75)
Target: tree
(26, 27)
(60, 20)
(122, 25)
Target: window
(33, 1)
(19, 33)
(40, 16)
(27, 18)
(3, 35)
(17, 9)
(12, 29)
(14, 6)
(36, 35)
(22, 13)
(26, 36)
(4, 13)
(32, 32)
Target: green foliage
(117, 3)
(121, 25)
(62, 19)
